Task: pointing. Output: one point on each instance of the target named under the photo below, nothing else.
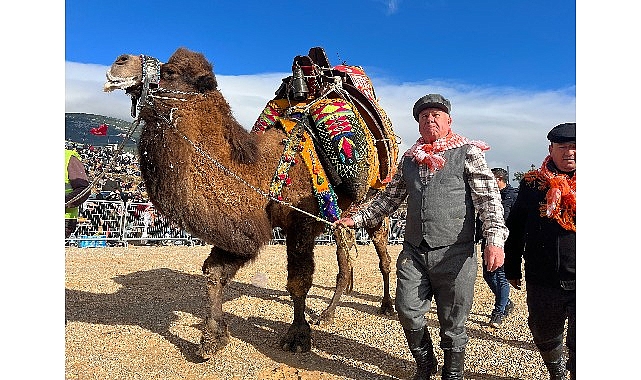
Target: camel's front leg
(380, 238)
(345, 239)
(219, 268)
(300, 271)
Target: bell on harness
(299, 85)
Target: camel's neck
(206, 122)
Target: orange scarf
(560, 196)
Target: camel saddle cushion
(351, 134)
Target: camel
(208, 174)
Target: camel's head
(185, 71)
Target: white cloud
(513, 122)
(83, 92)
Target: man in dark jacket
(496, 280)
(542, 226)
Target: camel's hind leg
(219, 268)
(380, 238)
(345, 240)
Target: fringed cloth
(429, 154)
(560, 198)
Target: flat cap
(562, 133)
(431, 101)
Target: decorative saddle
(333, 119)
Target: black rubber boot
(453, 364)
(553, 360)
(421, 347)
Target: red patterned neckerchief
(560, 196)
(429, 154)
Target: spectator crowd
(121, 182)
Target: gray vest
(442, 211)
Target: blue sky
(508, 67)
(524, 44)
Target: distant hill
(78, 125)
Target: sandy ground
(136, 312)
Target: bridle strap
(150, 78)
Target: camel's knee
(220, 266)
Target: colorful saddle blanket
(331, 114)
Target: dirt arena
(135, 313)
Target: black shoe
(497, 319)
(508, 308)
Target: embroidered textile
(268, 117)
(429, 154)
(360, 80)
(560, 197)
(361, 89)
(298, 141)
(344, 139)
(287, 159)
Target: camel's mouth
(115, 82)
(137, 86)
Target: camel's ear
(206, 82)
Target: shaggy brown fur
(187, 149)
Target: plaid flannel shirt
(485, 197)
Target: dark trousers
(70, 226)
(445, 273)
(548, 309)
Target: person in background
(445, 178)
(542, 226)
(496, 280)
(75, 183)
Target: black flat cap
(562, 133)
(431, 101)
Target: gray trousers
(446, 273)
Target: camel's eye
(167, 73)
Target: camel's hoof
(387, 308)
(325, 319)
(297, 339)
(215, 338)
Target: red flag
(100, 131)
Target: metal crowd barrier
(103, 223)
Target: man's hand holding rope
(344, 222)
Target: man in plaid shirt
(446, 181)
